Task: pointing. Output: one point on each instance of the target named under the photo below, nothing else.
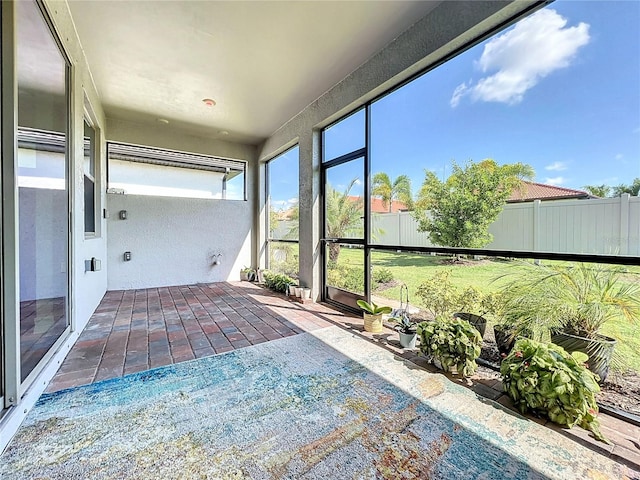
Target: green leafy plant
(388, 191)
(577, 298)
(247, 273)
(352, 278)
(544, 379)
(372, 308)
(454, 342)
(404, 324)
(277, 281)
(381, 275)
(442, 298)
(344, 213)
(457, 212)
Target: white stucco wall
(145, 179)
(173, 240)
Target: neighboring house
(379, 206)
(530, 191)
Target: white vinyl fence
(603, 226)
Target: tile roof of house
(378, 206)
(530, 191)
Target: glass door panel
(345, 273)
(344, 230)
(344, 200)
(43, 192)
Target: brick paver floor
(136, 330)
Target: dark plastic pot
(599, 350)
(476, 321)
(505, 338)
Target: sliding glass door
(345, 212)
(43, 189)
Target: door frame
(334, 295)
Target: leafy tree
(632, 189)
(458, 211)
(295, 212)
(344, 216)
(601, 191)
(274, 220)
(388, 191)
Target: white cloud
(284, 204)
(458, 93)
(555, 180)
(619, 156)
(556, 167)
(534, 48)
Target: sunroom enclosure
(67, 226)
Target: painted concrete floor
(136, 330)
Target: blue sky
(560, 91)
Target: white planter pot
(407, 340)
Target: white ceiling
(262, 62)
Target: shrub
(352, 278)
(442, 298)
(454, 342)
(382, 275)
(277, 281)
(577, 298)
(544, 379)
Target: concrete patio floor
(136, 330)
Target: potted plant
(406, 329)
(278, 281)
(506, 334)
(441, 297)
(544, 379)
(452, 342)
(373, 315)
(569, 304)
(247, 274)
(504, 330)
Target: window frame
(129, 152)
(91, 144)
(268, 238)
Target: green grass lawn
(487, 276)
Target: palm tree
(344, 216)
(632, 189)
(601, 191)
(399, 189)
(517, 171)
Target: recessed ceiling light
(163, 120)
(209, 102)
(223, 133)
